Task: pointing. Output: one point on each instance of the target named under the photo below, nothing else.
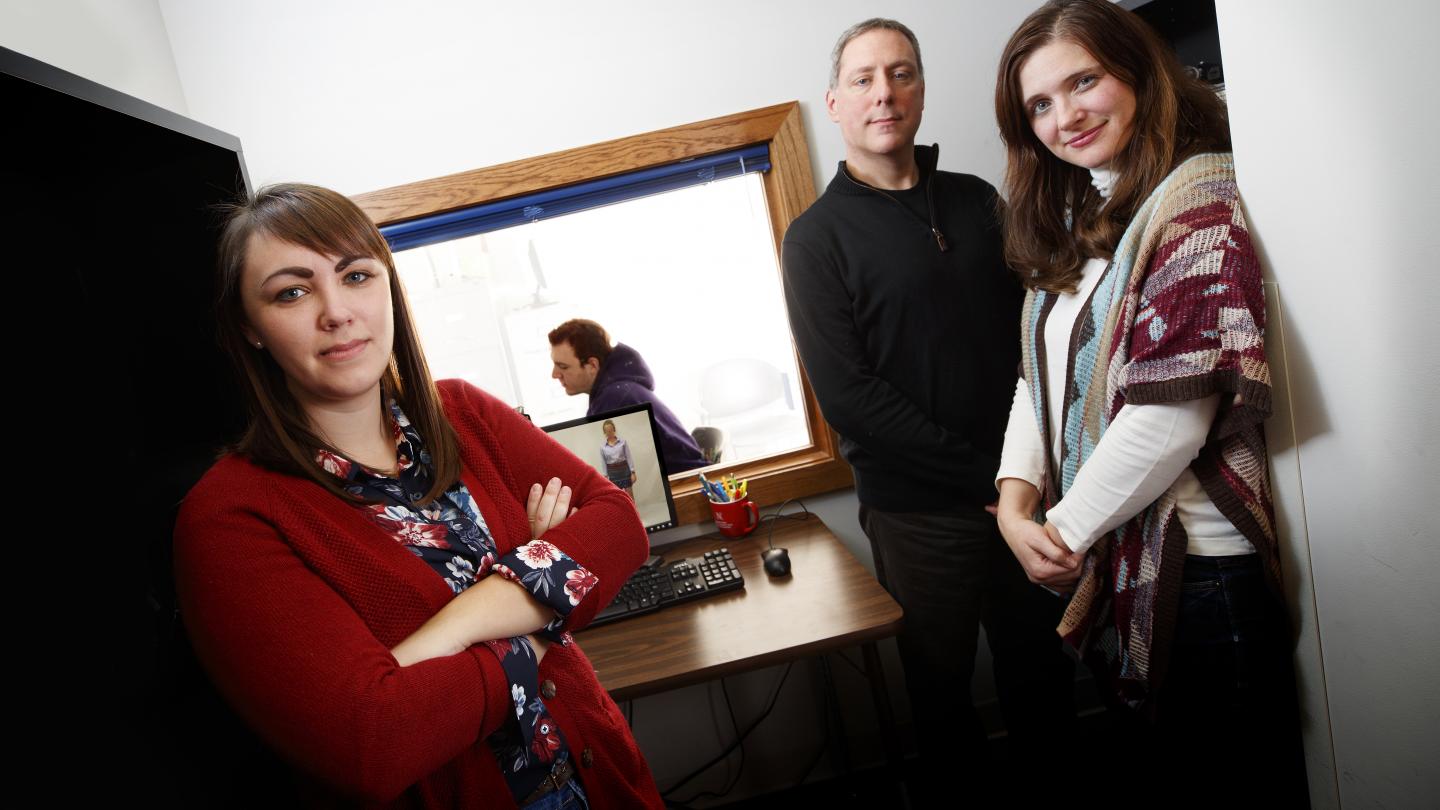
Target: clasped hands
(493, 607)
(1041, 551)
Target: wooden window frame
(789, 190)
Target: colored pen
(712, 490)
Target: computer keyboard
(653, 587)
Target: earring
(259, 345)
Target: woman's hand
(1067, 582)
(1041, 551)
(494, 607)
(1046, 559)
(547, 507)
(539, 645)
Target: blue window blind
(579, 197)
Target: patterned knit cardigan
(1178, 315)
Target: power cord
(719, 731)
(739, 740)
(735, 779)
(858, 670)
(776, 516)
(826, 742)
(735, 728)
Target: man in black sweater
(907, 321)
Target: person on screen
(369, 575)
(615, 455)
(616, 377)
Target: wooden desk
(829, 601)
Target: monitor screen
(633, 457)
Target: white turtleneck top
(1145, 449)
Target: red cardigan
(293, 599)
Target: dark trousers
(1227, 706)
(952, 572)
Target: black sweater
(910, 337)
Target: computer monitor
(635, 426)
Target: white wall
(121, 44)
(363, 94)
(1334, 116)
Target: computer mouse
(776, 561)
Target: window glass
(687, 278)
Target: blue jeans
(570, 797)
(1226, 714)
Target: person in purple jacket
(616, 377)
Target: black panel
(1190, 28)
(121, 399)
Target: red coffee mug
(736, 518)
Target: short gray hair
(873, 24)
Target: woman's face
(327, 320)
(609, 432)
(1080, 112)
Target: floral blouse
(451, 536)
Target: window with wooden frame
(788, 188)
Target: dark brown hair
(279, 435)
(586, 338)
(1056, 220)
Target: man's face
(575, 376)
(878, 96)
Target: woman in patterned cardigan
(370, 576)
(1134, 475)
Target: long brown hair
(1056, 220)
(279, 435)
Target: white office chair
(742, 385)
(751, 401)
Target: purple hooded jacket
(624, 380)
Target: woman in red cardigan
(371, 577)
